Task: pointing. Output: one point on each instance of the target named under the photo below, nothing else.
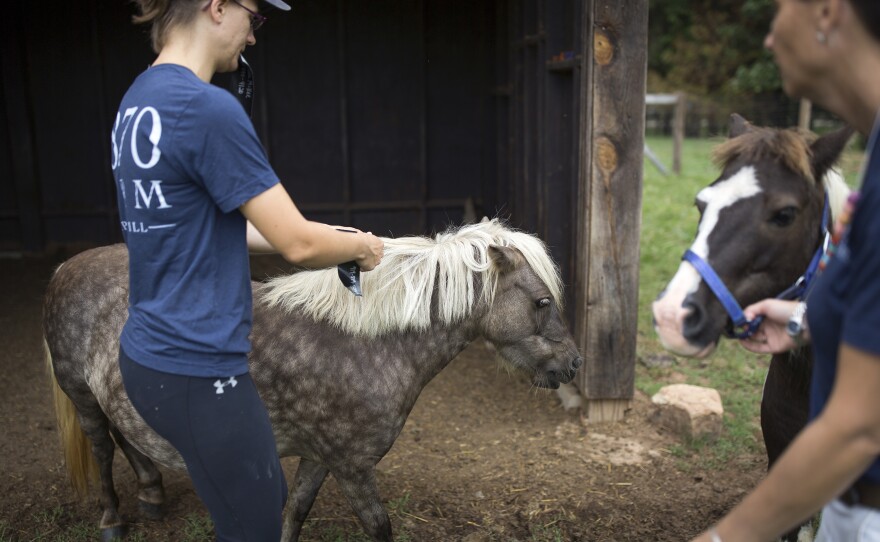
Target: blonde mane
(398, 293)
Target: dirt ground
(483, 457)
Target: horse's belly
(142, 437)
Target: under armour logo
(220, 385)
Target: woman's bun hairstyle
(162, 15)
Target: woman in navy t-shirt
(195, 193)
(829, 52)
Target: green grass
(46, 528)
(669, 222)
(197, 528)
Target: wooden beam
(678, 131)
(804, 114)
(612, 120)
(607, 410)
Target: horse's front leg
(362, 492)
(306, 484)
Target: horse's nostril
(698, 328)
(695, 316)
(576, 364)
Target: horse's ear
(827, 149)
(738, 126)
(504, 258)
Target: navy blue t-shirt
(844, 306)
(185, 157)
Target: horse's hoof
(113, 534)
(151, 511)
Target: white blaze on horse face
(669, 312)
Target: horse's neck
(433, 349)
(406, 358)
(795, 369)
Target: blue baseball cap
(278, 4)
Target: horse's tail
(81, 465)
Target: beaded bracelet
(839, 229)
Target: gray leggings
(221, 428)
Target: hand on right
(772, 336)
(375, 249)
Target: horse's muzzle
(552, 378)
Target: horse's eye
(784, 217)
(543, 302)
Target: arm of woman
(279, 226)
(821, 463)
(257, 244)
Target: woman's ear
(828, 15)
(217, 9)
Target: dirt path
(483, 457)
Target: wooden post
(678, 131)
(612, 126)
(806, 111)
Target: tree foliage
(711, 47)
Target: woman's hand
(375, 249)
(706, 537)
(771, 337)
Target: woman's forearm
(822, 462)
(833, 459)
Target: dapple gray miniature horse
(761, 224)
(338, 374)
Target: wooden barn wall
(546, 94)
(64, 68)
(378, 114)
(385, 119)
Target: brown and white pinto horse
(761, 225)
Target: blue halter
(742, 327)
